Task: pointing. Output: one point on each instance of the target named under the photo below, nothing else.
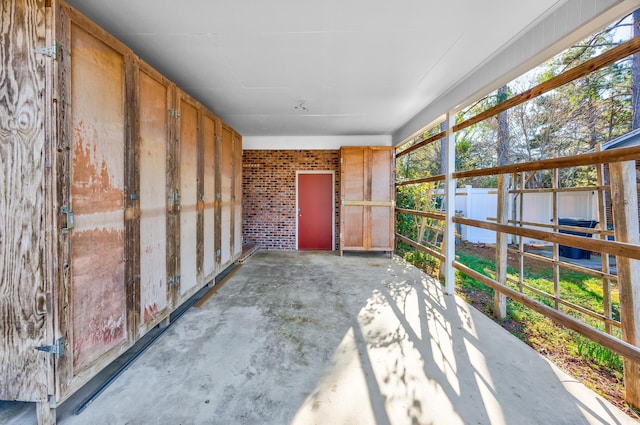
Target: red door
(315, 211)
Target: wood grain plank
(64, 310)
(23, 306)
(188, 193)
(592, 158)
(153, 92)
(200, 199)
(624, 198)
(132, 195)
(226, 193)
(209, 195)
(237, 195)
(97, 199)
(218, 190)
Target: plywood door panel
(23, 312)
(188, 195)
(353, 186)
(381, 228)
(367, 193)
(209, 197)
(237, 195)
(352, 226)
(381, 171)
(153, 119)
(226, 195)
(97, 199)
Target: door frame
(333, 203)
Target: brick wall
(269, 193)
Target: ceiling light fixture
(301, 105)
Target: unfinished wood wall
(97, 198)
(153, 101)
(23, 213)
(367, 193)
(109, 182)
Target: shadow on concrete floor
(306, 338)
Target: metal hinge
(218, 253)
(341, 160)
(175, 279)
(134, 196)
(218, 139)
(174, 197)
(57, 348)
(70, 219)
(174, 113)
(54, 51)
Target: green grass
(532, 327)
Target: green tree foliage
(570, 120)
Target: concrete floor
(305, 338)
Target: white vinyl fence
(481, 204)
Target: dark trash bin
(572, 252)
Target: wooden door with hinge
(155, 103)
(367, 198)
(26, 187)
(189, 148)
(237, 196)
(97, 212)
(208, 197)
(225, 197)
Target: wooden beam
(421, 143)
(624, 199)
(420, 247)
(602, 220)
(623, 348)
(592, 158)
(450, 205)
(565, 265)
(430, 179)
(607, 58)
(426, 214)
(614, 248)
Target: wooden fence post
(499, 299)
(450, 195)
(624, 198)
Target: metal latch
(218, 253)
(174, 113)
(175, 279)
(57, 348)
(70, 219)
(54, 51)
(218, 139)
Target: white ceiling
(360, 66)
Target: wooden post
(45, 414)
(450, 198)
(624, 198)
(602, 219)
(520, 219)
(556, 247)
(499, 299)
